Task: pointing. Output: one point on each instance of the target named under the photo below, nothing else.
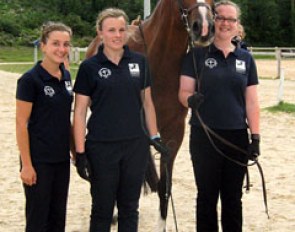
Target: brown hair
(228, 3)
(51, 26)
(110, 13)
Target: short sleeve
(84, 83)
(187, 67)
(253, 76)
(25, 89)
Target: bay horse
(164, 38)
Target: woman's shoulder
(136, 55)
(30, 74)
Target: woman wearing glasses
(224, 94)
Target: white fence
(75, 54)
(278, 53)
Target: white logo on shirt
(104, 73)
(211, 63)
(49, 91)
(68, 86)
(134, 69)
(240, 66)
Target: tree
(262, 23)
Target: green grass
(282, 107)
(18, 54)
(24, 54)
(21, 54)
(264, 57)
(21, 68)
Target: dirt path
(278, 149)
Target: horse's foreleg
(164, 192)
(172, 136)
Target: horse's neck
(165, 27)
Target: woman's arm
(186, 89)
(23, 111)
(149, 110)
(252, 109)
(80, 112)
(72, 144)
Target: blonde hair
(228, 3)
(110, 13)
(241, 31)
(51, 26)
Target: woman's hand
(28, 175)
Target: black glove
(161, 148)
(195, 100)
(253, 148)
(83, 166)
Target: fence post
(71, 55)
(36, 45)
(278, 57)
(281, 86)
(77, 55)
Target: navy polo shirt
(223, 84)
(49, 123)
(115, 92)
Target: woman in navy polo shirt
(113, 155)
(224, 93)
(43, 107)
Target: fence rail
(278, 53)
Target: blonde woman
(113, 155)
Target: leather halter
(184, 12)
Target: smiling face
(226, 22)
(56, 48)
(113, 33)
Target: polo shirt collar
(46, 76)
(214, 49)
(102, 57)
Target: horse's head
(198, 17)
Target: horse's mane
(134, 34)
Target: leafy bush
(6, 39)
(10, 26)
(82, 41)
(80, 28)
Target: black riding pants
(46, 201)
(118, 173)
(217, 177)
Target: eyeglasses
(220, 18)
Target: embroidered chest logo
(240, 66)
(134, 69)
(68, 86)
(104, 73)
(211, 63)
(49, 91)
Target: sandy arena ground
(277, 159)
